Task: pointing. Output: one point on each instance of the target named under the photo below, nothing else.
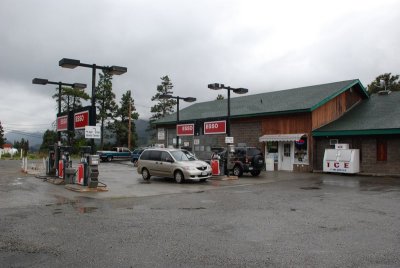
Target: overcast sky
(260, 45)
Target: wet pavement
(279, 219)
(122, 181)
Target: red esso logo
(79, 118)
(187, 128)
(212, 126)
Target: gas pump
(230, 157)
(88, 168)
(64, 161)
(50, 170)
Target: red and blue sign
(300, 142)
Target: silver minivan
(172, 163)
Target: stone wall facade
(368, 153)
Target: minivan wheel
(237, 171)
(145, 174)
(179, 178)
(109, 158)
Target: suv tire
(237, 171)
(255, 173)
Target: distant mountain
(34, 138)
(143, 135)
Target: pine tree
(121, 123)
(49, 138)
(163, 106)
(2, 139)
(391, 82)
(71, 99)
(106, 105)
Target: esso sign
(185, 130)
(81, 120)
(215, 127)
(62, 123)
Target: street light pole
(240, 90)
(40, 81)
(114, 70)
(229, 114)
(187, 99)
(177, 121)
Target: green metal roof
(378, 115)
(296, 100)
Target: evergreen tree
(392, 83)
(71, 99)
(121, 123)
(2, 138)
(106, 105)
(163, 106)
(49, 138)
(22, 145)
(220, 97)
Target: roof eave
(238, 116)
(357, 81)
(356, 132)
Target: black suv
(243, 160)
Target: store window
(301, 151)
(381, 150)
(272, 149)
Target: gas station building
(293, 127)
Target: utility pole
(129, 123)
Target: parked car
(172, 163)
(243, 160)
(136, 154)
(117, 153)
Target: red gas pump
(80, 175)
(61, 169)
(215, 167)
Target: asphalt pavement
(279, 219)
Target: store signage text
(62, 123)
(215, 127)
(81, 120)
(185, 130)
(335, 166)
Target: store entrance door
(286, 155)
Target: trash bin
(269, 164)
